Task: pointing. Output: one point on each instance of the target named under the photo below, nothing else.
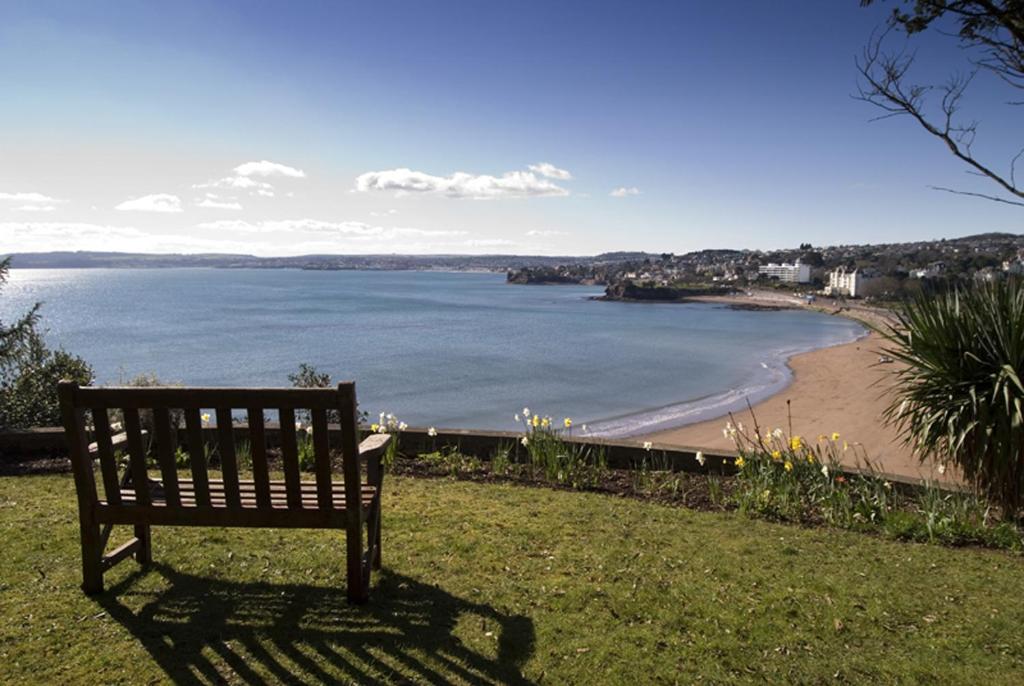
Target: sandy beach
(839, 389)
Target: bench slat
(258, 451)
(136, 455)
(228, 460)
(289, 455)
(197, 455)
(322, 454)
(105, 449)
(165, 454)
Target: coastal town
(883, 272)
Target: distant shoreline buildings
(786, 273)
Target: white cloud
(542, 233)
(214, 203)
(623, 191)
(488, 243)
(236, 183)
(35, 208)
(383, 214)
(35, 198)
(157, 202)
(266, 168)
(351, 229)
(551, 171)
(514, 184)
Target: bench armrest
(373, 446)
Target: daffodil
(402, 426)
(777, 433)
(373, 427)
(776, 455)
(824, 470)
(432, 432)
(810, 458)
(835, 436)
(546, 422)
(535, 421)
(648, 445)
(567, 422)
(584, 427)
(700, 458)
(796, 443)
(526, 412)
(739, 462)
(516, 416)
(846, 446)
(788, 465)
(205, 417)
(525, 441)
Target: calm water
(443, 349)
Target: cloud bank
(157, 202)
(513, 184)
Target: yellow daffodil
(374, 427)
(739, 462)
(546, 422)
(205, 417)
(846, 446)
(788, 465)
(810, 458)
(535, 421)
(776, 454)
(835, 436)
(567, 422)
(796, 443)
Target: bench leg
(144, 555)
(375, 536)
(92, 559)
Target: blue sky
(279, 128)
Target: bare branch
(993, 198)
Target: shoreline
(841, 388)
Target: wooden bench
(143, 500)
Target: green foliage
(959, 394)
(29, 371)
(306, 452)
(308, 376)
(559, 461)
(784, 478)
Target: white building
(787, 273)
(848, 282)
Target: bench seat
(247, 494)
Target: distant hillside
(115, 260)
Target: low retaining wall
(26, 444)
(621, 454)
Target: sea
(442, 349)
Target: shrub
(959, 394)
(29, 371)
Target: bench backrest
(161, 403)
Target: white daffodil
(700, 458)
(526, 412)
(432, 432)
(516, 417)
(824, 470)
(402, 426)
(525, 441)
(648, 445)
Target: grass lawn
(506, 584)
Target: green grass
(506, 584)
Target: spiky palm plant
(959, 395)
